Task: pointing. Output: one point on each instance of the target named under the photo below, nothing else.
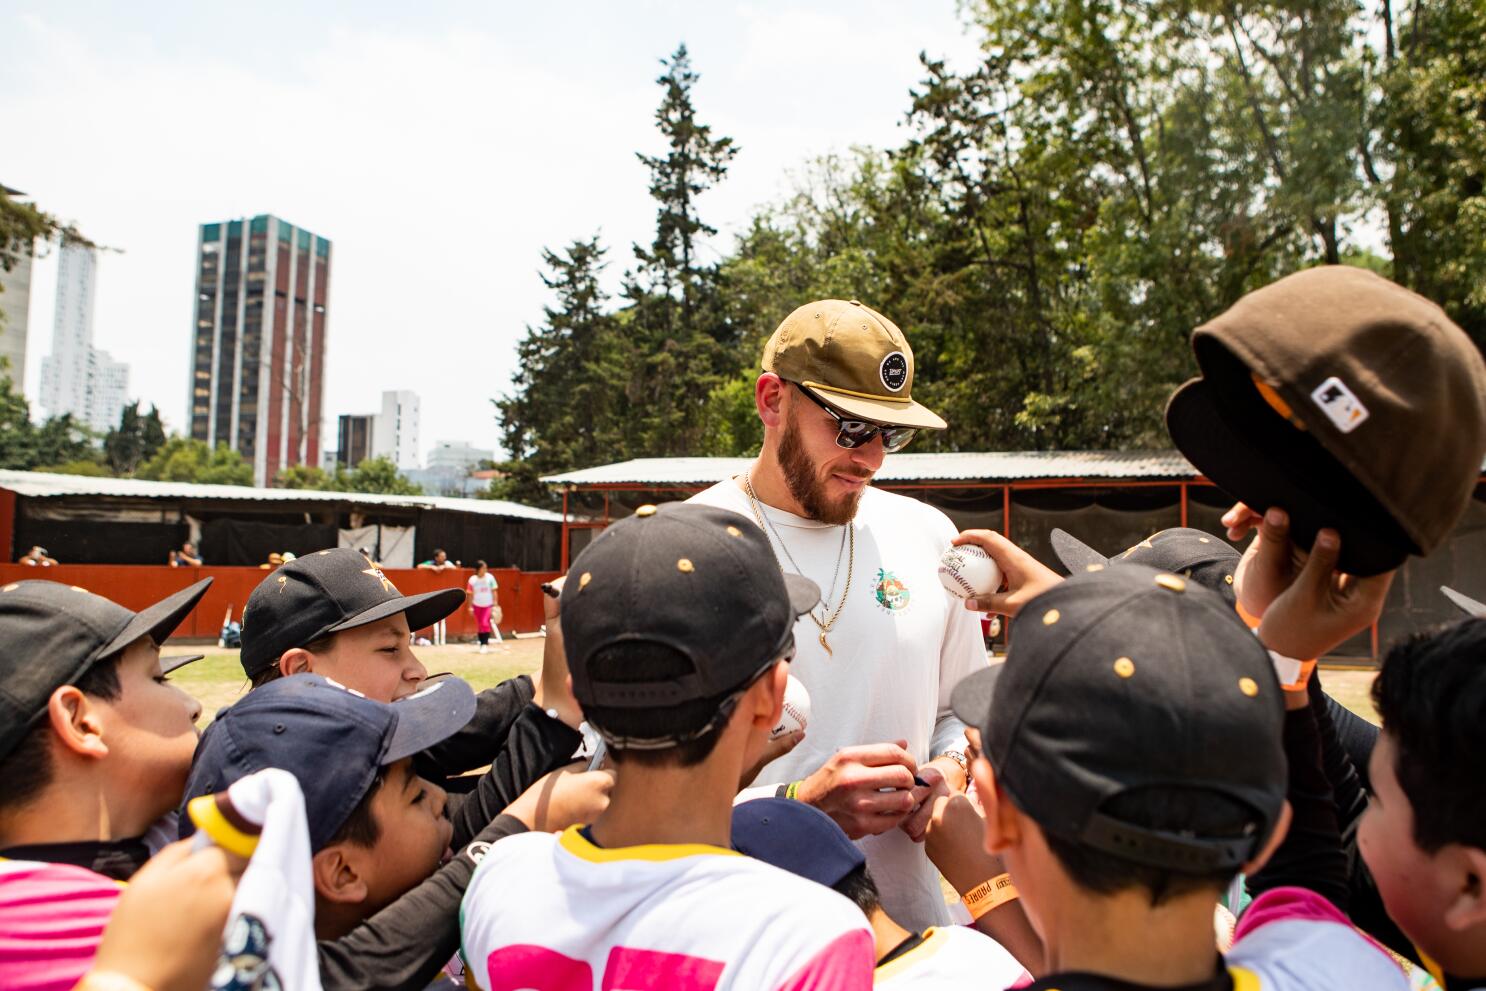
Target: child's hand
(1322, 607)
(1270, 562)
(1025, 576)
(566, 797)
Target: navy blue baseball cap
(333, 740)
(795, 837)
(1208, 560)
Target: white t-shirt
(1292, 939)
(898, 649)
(558, 913)
(953, 957)
(483, 589)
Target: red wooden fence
(137, 586)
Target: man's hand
(1025, 576)
(866, 789)
(1270, 562)
(942, 778)
(1321, 607)
(566, 797)
(166, 930)
(773, 750)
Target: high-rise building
(258, 353)
(395, 435)
(355, 438)
(76, 377)
(15, 305)
(457, 454)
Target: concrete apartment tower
(395, 433)
(76, 377)
(258, 351)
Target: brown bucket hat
(851, 357)
(1347, 400)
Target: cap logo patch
(894, 372)
(376, 573)
(1340, 404)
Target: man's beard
(807, 487)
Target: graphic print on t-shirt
(890, 592)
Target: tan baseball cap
(851, 357)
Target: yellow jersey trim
(934, 940)
(1244, 979)
(578, 845)
(905, 400)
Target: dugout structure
(1108, 499)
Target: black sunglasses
(855, 433)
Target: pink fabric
(1286, 904)
(844, 965)
(482, 617)
(51, 921)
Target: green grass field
(217, 679)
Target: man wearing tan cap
(886, 645)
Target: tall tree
(135, 440)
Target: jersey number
(523, 967)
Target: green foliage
(1062, 215)
(182, 459)
(27, 446)
(304, 477)
(376, 475)
(135, 440)
(87, 467)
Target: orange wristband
(1292, 672)
(990, 894)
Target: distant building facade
(354, 439)
(457, 454)
(15, 307)
(395, 434)
(76, 377)
(258, 349)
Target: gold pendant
(829, 651)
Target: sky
(439, 146)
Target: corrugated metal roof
(43, 485)
(988, 466)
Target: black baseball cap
(1348, 401)
(327, 592)
(795, 837)
(1207, 560)
(1125, 679)
(332, 739)
(696, 579)
(51, 634)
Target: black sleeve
(1347, 780)
(1310, 856)
(537, 744)
(405, 944)
(496, 711)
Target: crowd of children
(1163, 795)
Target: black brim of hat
(971, 699)
(1465, 603)
(1076, 555)
(804, 594)
(169, 664)
(424, 609)
(1246, 465)
(429, 716)
(159, 621)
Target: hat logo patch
(894, 372)
(376, 573)
(1340, 404)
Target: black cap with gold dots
(1206, 559)
(697, 579)
(1128, 678)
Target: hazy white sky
(439, 146)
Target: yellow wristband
(792, 791)
(109, 980)
(990, 894)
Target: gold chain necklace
(851, 555)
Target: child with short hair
(1132, 765)
(677, 624)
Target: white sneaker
(482, 648)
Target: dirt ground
(217, 679)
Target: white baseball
(796, 709)
(969, 572)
